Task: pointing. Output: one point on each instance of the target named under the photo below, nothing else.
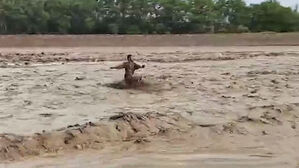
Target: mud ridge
(125, 127)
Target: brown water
(250, 93)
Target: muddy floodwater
(243, 103)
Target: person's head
(129, 57)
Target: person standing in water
(130, 66)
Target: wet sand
(242, 101)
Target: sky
(288, 3)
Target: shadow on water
(142, 86)
(122, 85)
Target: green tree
(14, 16)
(143, 16)
(232, 14)
(60, 17)
(271, 16)
(173, 14)
(37, 17)
(83, 16)
(202, 15)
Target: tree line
(143, 16)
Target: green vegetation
(143, 16)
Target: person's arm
(121, 66)
(136, 66)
